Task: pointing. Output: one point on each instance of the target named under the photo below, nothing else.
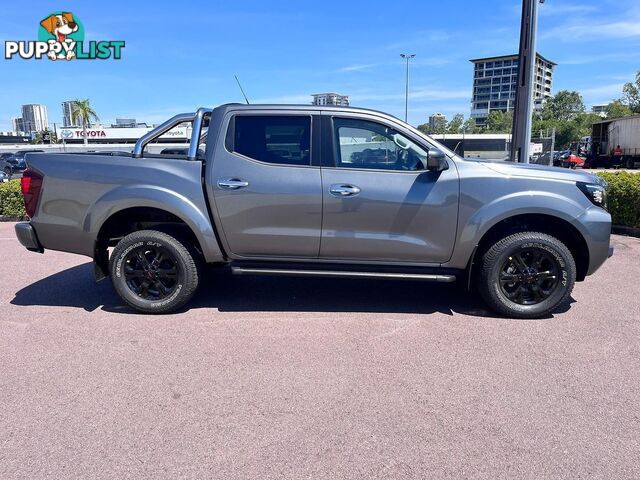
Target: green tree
(470, 126)
(82, 113)
(631, 94)
(39, 138)
(439, 127)
(455, 124)
(499, 122)
(617, 109)
(563, 106)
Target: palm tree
(83, 113)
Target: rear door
(266, 189)
(379, 201)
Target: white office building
(17, 125)
(34, 117)
(495, 80)
(436, 119)
(67, 117)
(330, 99)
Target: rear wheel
(153, 272)
(630, 163)
(527, 275)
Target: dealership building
(107, 135)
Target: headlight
(597, 193)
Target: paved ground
(303, 378)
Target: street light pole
(521, 136)
(407, 57)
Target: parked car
(16, 162)
(5, 165)
(4, 177)
(573, 161)
(522, 234)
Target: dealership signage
(75, 133)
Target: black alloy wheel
(529, 276)
(151, 272)
(154, 272)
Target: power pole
(407, 57)
(526, 79)
(553, 144)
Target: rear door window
(277, 139)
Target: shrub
(11, 202)
(624, 197)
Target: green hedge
(11, 202)
(624, 197)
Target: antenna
(242, 90)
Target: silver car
(318, 191)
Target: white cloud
(602, 94)
(420, 93)
(295, 99)
(357, 68)
(553, 8)
(583, 31)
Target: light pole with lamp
(407, 57)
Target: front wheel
(153, 272)
(527, 275)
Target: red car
(573, 161)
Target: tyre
(153, 272)
(630, 163)
(527, 275)
(7, 170)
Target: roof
(509, 57)
(286, 106)
(609, 120)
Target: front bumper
(27, 237)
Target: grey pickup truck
(317, 191)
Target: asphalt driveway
(313, 378)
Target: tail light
(31, 184)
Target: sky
(183, 55)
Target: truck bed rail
(197, 120)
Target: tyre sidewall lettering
(123, 255)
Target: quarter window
(371, 145)
(279, 139)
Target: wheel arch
(127, 209)
(552, 225)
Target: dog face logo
(61, 37)
(60, 25)
(61, 30)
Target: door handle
(344, 190)
(232, 183)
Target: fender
(473, 228)
(144, 195)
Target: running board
(428, 277)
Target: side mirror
(436, 160)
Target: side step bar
(429, 277)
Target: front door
(267, 192)
(379, 201)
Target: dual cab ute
(317, 191)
